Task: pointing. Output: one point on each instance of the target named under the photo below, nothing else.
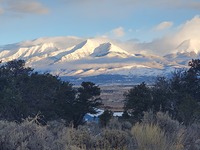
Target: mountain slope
(110, 50)
(187, 50)
(190, 45)
(81, 50)
(71, 56)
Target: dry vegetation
(155, 132)
(113, 96)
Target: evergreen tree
(138, 100)
(194, 66)
(179, 95)
(87, 100)
(161, 95)
(26, 93)
(105, 118)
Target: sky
(153, 22)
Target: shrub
(80, 137)
(151, 137)
(114, 124)
(172, 129)
(114, 139)
(27, 135)
(191, 137)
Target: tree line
(179, 95)
(25, 93)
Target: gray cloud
(189, 4)
(95, 8)
(174, 4)
(114, 9)
(185, 4)
(1, 11)
(27, 7)
(24, 7)
(192, 5)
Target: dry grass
(150, 137)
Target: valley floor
(112, 96)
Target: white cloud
(190, 30)
(163, 25)
(118, 32)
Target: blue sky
(142, 20)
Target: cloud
(119, 9)
(118, 32)
(163, 25)
(192, 4)
(27, 6)
(23, 7)
(94, 8)
(170, 42)
(1, 11)
(190, 30)
(183, 4)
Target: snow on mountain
(94, 48)
(72, 56)
(190, 45)
(187, 50)
(110, 50)
(81, 50)
(60, 42)
(33, 53)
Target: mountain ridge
(92, 57)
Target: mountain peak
(190, 45)
(110, 50)
(79, 51)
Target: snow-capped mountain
(187, 50)
(81, 58)
(190, 45)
